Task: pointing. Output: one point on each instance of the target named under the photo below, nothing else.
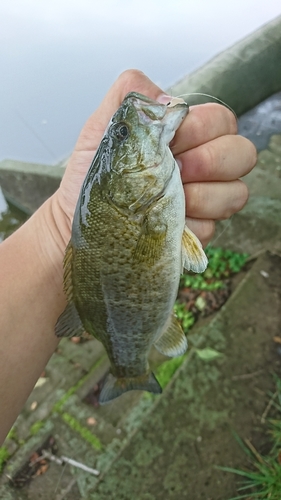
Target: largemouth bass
(129, 245)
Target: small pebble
(91, 421)
(75, 340)
(264, 274)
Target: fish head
(141, 130)
(139, 160)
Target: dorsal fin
(69, 323)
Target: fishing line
(28, 126)
(228, 223)
(60, 478)
(210, 97)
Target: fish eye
(122, 131)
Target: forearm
(31, 299)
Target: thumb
(130, 80)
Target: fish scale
(129, 244)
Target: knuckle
(199, 125)
(228, 117)
(254, 155)
(232, 121)
(243, 194)
(192, 197)
(240, 198)
(209, 159)
(129, 79)
(207, 231)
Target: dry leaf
(277, 339)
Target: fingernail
(164, 98)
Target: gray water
(58, 58)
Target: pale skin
(212, 158)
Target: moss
(167, 370)
(4, 456)
(57, 408)
(83, 431)
(35, 428)
(12, 434)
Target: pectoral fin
(193, 256)
(152, 239)
(173, 341)
(149, 247)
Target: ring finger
(214, 200)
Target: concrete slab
(257, 226)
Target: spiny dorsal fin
(173, 341)
(69, 323)
(193, 256)
(67, 273)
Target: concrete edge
(242, 75)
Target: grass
(263, 481)
(222, 265)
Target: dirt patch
(191, 429)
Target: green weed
(167, 369)
(4, 455)
(186, 317)
(35, 428)
(222, 263)
(264, 481)
(83, 431)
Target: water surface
(58, 58)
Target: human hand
(212, 157)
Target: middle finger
(223, 159)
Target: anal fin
(173, 341)
(193, 256)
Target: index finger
(203, 123)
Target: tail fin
(114, 387)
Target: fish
(129, 245)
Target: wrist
(48, 232)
